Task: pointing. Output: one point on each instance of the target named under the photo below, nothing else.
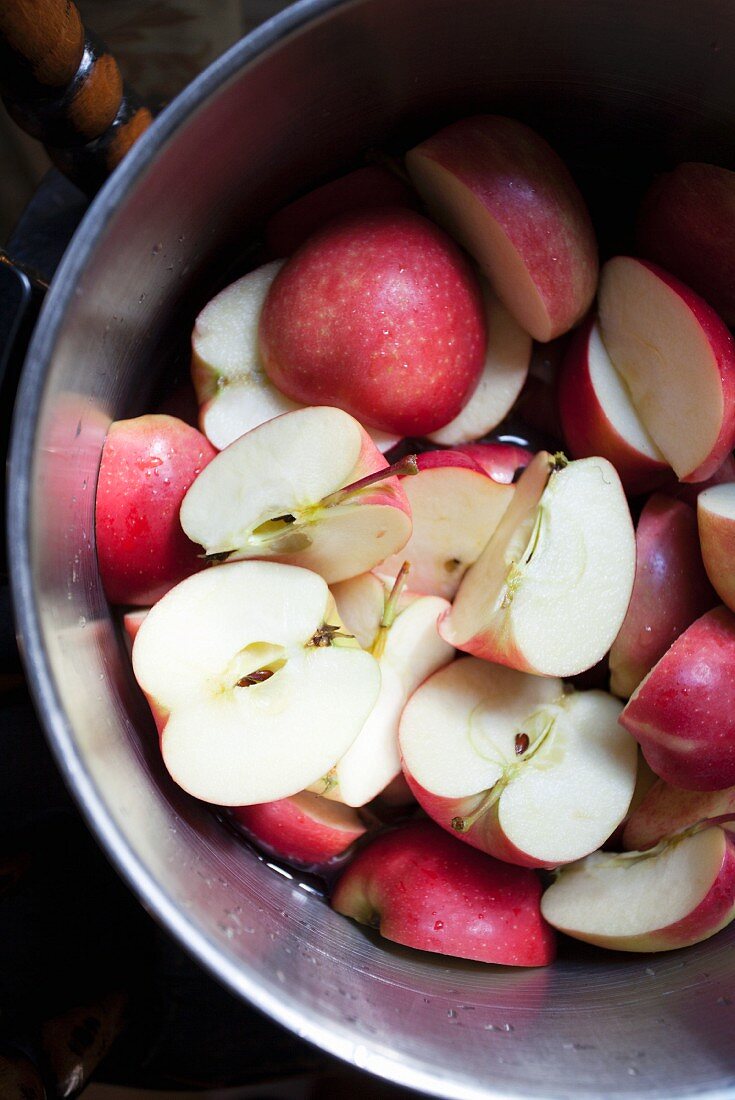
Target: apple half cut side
(420, 888)
(672, 896)
(503, 376)
(670, 591)
(299, 489)
(509, 199)
(677, 360)
(254, 688)
(303, 829)
(408, 649)
(667, 810)
(455, 507)
(683, 713)
(716, 521)
(234, 393)
(598, 416)
(516, 767)
(550, 590)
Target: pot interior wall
(621, 88)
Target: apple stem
(405, 467)
(390, 611)
(325, 636)
(464, 824)
(558, 462)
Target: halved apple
(516, 767)
(550, 590)
(421, 889)
(455, 507)
(304, 829)
(408, 648)
(254, 689)
(677, 359)
(716, 520)
(503, 376)
(308, 488)
(673, 896)
(667, 810)
(504, 193)
(598, 416)
(234, 392)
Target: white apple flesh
(409, 650)
(503, 376)
(455, 507)
(669, 897)
(551, 589)
(716, 523)
(234, 392)
(677, 360)
(275, 493)
(254, 692)
(515, 766)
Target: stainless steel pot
(621, 86)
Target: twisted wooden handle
(60, 84)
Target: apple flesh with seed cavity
(507, 197)
(670, 591)
(598, 416)
(380, 314)
(455, 507)
(298, 490)
(408, 649)
(716, 519)
(667, 810)
(677, 359)
(234, 392)
(516, 767)
(147, 466)
(420, 888)
(687, 224)
(647, 901)
(303, 829)
(562, 555)
(366, 188)
(683, 712)
(503, 376)
(253, 686)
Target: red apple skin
(527, 189)
(294, 829)
(147, 467)
(423, 890)
(686, 224)
(717, 539)
(724, 474)
(485, 834)
(670, 591)
(683, 713)
(366, 188)
(665, 810)
(381, 315)
(587, 429)
(500, 461)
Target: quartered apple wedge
(550, 590)
(514, 765)
(672, 896)
(308, 488)
(254, 688)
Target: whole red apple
(380, 314)
(422, 888)
(148, 464)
